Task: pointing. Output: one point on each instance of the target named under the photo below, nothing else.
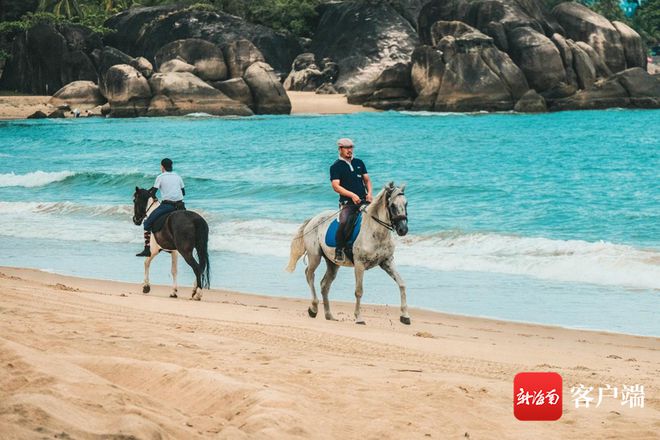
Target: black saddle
(160, 221)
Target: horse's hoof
(311, 313)
(146, 289)
(173, 295)
(360, 323)
(404, 320)
(330, 318)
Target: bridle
(154, 201)
(393, 217)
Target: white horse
(373, 247)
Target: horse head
(140, 200)
(397, 207)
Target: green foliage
(647, 22)
(295, 16)
(4, 55)
(30, 19)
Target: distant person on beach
(172, 191)
(350, 180)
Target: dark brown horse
(182, 232)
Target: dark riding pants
(163, 209)
(347, 218)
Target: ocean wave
(66, 208)
(34, 179)
(600, 263)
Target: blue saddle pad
(331, 233)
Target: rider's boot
(147, 249)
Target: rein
(390, 225)
(155, 200)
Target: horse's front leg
(388, 266)
(174, 273)
(359, 276)
(146, 288)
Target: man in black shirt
(350, 180)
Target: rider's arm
(367, 183)
(341, 190)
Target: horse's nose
(402, 228)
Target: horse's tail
(202, 246)
(297, 247)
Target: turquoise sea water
(549, 218)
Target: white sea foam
(34, 179)
(600, 263)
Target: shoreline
(15, 106)
(347, 304)
(89, 357)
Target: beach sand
(22, 106)
(82, 358)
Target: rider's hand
(356, 199)
(368, 198)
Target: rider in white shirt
(172, 191)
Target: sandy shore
(20, 107)
(84, 358)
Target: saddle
(160, 221)
(331, 233)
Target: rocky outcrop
(180, 93)
(305, 75)
(206, 57)
(236, 89)
(582, 24)
(363, 38)
(240, 55)
(176, 65)
(531, 102)
(46, 57)
(127, 91)
(144, 30)
(428, 67)
(538, 58)
(392, 89)
(630, 88)
(584, 69)
(267, 91)
(81, 94)
(633, 46)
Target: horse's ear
(403, 187)
(391, 185)
(137, 189)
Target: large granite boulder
(236, 89)
(604, 94)
(392, 89)
(180, 93)
(127, 91)
(207, 58)
(531, 102)
(240, 55)
(583, 24)
(363, 38)
(176, 65)
(582, 66)
(633, 46)
(269, 95)
(144, 30)
(643, 88)
(602, 69)
(426, 73)
(537, 56)
(78, 94)
(47, 56)
(305, 75)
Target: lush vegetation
(295, 16)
